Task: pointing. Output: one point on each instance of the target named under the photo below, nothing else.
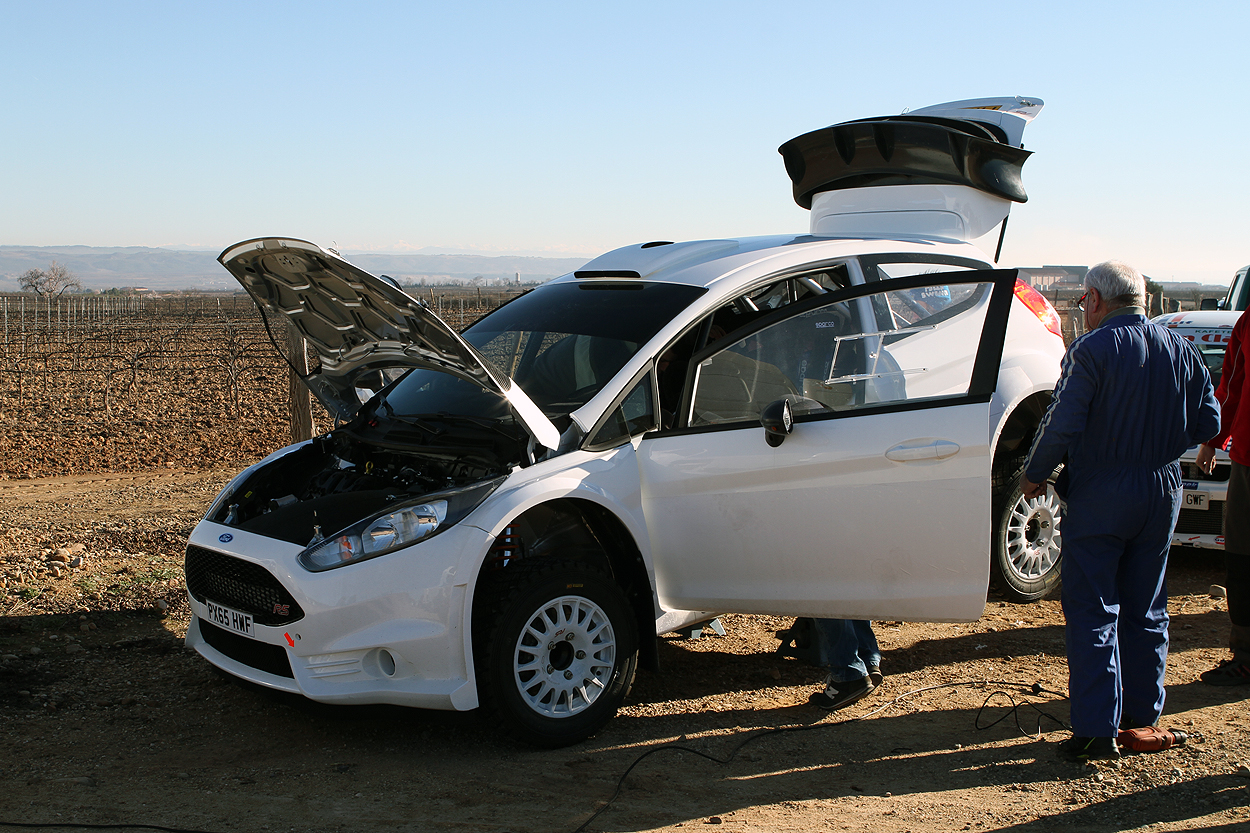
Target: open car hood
(359, 323)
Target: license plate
(229, 618)
(1195, 500)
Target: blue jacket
(1132, 395)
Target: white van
(1201, 522)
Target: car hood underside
(358, 323)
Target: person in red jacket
(1233, 395)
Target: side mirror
(1210, 303)
(778, 421)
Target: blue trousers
(850, 647)
(1117, 530)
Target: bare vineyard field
(106, 719)
(106, 384)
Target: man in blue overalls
(1131, 398)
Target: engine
(338, 479)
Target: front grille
(241, 585)
(1202, 521)
(1220, 474)
(259, 655)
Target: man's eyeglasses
(1080, 302)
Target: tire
(1028, 544)
(561, 653)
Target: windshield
(1213, 358)
(1239, 294)
(561, 343)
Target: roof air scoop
(949, 171)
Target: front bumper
(1201, 520)
(387, 630)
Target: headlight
(405, 525)
(400, 526)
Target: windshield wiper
(481, 422)
(413, 420)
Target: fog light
(385, 662)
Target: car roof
(707, 263)
(725, 268)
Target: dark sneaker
(875, 676)
(840, 695)
(1080, 750)
(1228, 672)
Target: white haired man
(1131, 398)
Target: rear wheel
(561, 653)
(1027, 544)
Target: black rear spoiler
(904, 150)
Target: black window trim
(869, 263)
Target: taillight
(1039, 306)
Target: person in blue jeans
(854, 659)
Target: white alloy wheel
(1033, 537)
(564, 657)
(560, 654)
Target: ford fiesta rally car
(822, 424)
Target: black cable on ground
(1015, 711)
(1035, 689)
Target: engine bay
(361, 468)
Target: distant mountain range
(100, 267)
(164, 269)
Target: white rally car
(1201, 520)
(822, 424)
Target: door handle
(911, 451)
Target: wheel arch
(578, 528)
(1011, 447)
(1014, 435)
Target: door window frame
(984, 377)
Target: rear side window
(920, 303)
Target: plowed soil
(113, 442)
(106, 719)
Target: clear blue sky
(572, 128)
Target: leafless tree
(49, 283)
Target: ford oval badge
(225, 537)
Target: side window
(735, 384)
(791, 289)
(836, 357)
(911, 306)
(635, 415)
(908, 307)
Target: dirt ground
(106, 719)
